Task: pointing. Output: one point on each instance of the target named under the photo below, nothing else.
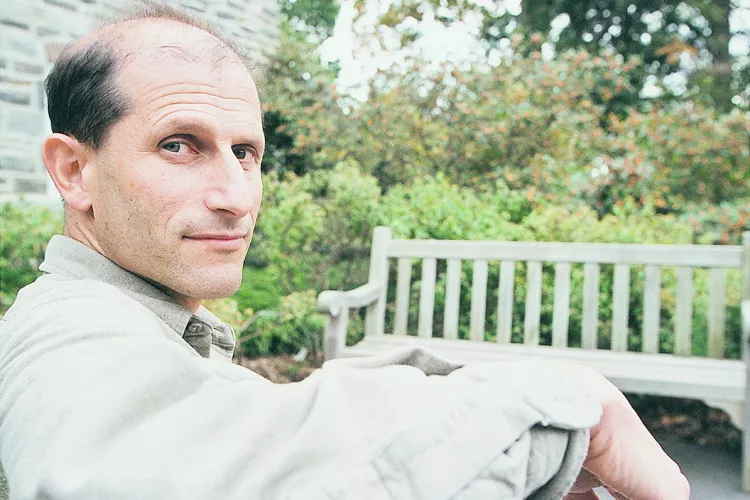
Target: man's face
(176, 188)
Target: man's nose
(229, 190)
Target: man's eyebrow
(173, 126)
(176, 124)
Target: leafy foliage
(544, 129)
(294, 325)
(690, 37)
(300, 110)
(661, 33)
(24, 232)
(315, 16)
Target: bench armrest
(333, 302)
(337, 304)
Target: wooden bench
(718, 381)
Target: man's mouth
(217, 236)
(219, 241)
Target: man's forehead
(159, 38)
(161, 70)
(159, 50)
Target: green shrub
(294, 325)
(435, 208)
(260, 289)
(312, 227)
(229, 311)
(25, 230)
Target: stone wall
(32, 33)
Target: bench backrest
(685, 258)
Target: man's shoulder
(61, 304)
(52, 290)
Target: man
(116, 383)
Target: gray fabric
(101, 398)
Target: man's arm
(94, 404)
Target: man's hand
(624, 457)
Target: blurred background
(592, 121)
(531, 120)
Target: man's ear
(66, 159)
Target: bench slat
(533, 303)
(505, 301)
(478, 300)
(561, 311)
(683, 311)
(403, 287)
(717, 306)
(621, 307)
(590, 305)
(427, 298)
(452, 296)
(601, 253)
(651, 309)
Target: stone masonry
(32, 33)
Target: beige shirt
(104, 396)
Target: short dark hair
(83, 99)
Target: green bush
(294, 325)
(260, 288)
(435, 208)
(25, 230)
(314, 231)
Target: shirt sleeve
(97, 402)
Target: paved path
(714, 473)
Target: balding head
(156, 150)
(85, 95)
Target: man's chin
(214, 290)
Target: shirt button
(195, 328)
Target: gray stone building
(32, 33)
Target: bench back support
(718, 259)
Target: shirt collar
(72, 258)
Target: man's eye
(241, 152)
(173, 147)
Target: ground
(689, 420)
(685, 419)
(280, 369)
